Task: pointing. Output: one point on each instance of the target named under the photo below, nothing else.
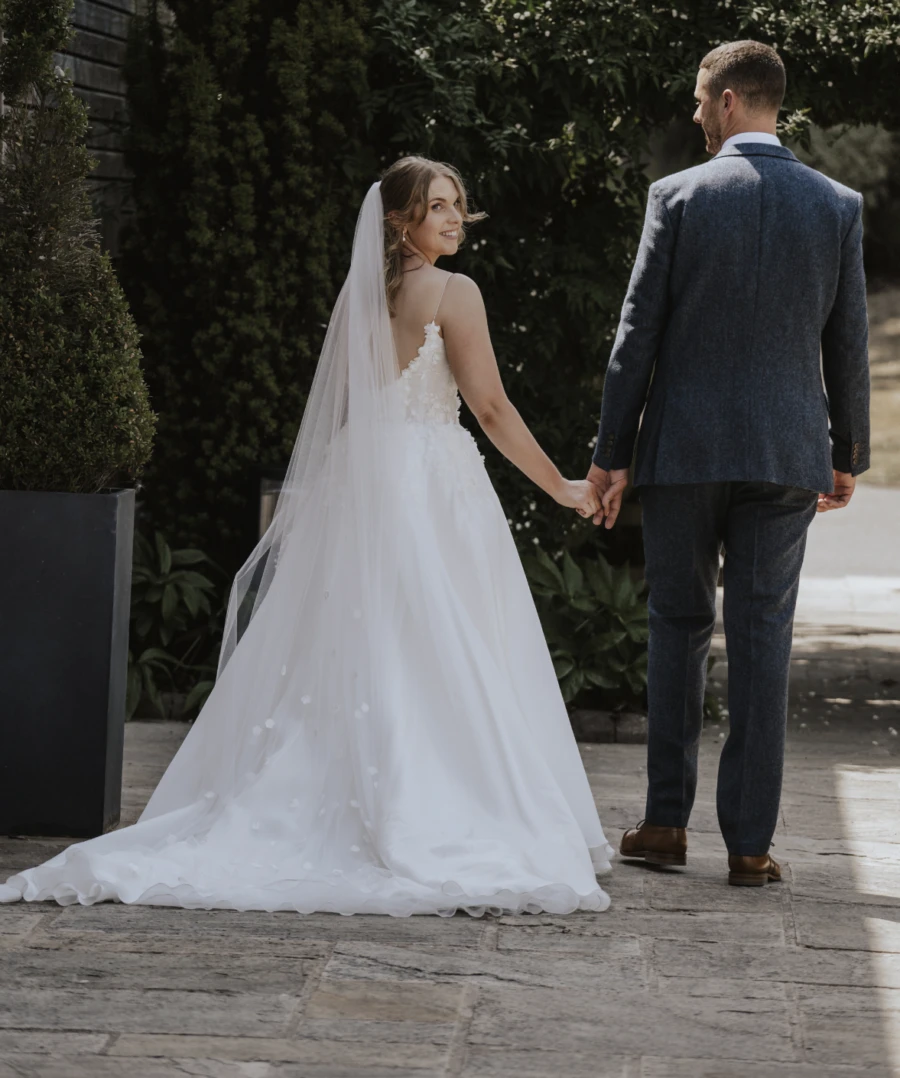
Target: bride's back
(416, 305)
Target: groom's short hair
(753, 70)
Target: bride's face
(438, 233)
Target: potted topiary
(75, 429)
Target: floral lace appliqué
(429, 388)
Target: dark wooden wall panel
(94, 61)
(90, 15)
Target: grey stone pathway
(683, 977)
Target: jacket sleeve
(637, 342)
(845, 358)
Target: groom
(748, 293)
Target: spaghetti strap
(440, 301)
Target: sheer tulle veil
(305, 610)
(341, 452)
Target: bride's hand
(580, 495)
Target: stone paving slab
(105, 1067)
(539, 933)
(742, 1068)
(249, 1014)
(523, 1017)
(846, 1025)
(376, 962)
(839, 925)
(482, 1062)
(221, 972)
(684, 977)
(677, 961)
(351, 1055)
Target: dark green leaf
(163, 553)
(197, 696)
(169, 601)
(191, 599)
(571, 685)
(543, 572)
(623, 593)
(563, 665)
(572, 575)
(601, 678)
(636, 681)
(605, 641)
(598, 578)
(192, 578)
(187, 557)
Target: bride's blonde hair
(404, 196)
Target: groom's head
(740, 87)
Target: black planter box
(65, 590)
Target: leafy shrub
(595, 619)
(552, 110)
(173, 626)
(243, 141)
(74, 410)
(256, 133)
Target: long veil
(350, 407)
(313, 595)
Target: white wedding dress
(390, 743)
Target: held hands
(610, 486)
(580, 495)
(844, 485)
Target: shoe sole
(751, 879)
(669, 860)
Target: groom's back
(753, 284)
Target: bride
(386, 733)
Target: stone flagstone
(684, 977)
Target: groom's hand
(600, 480)
(844, 485)
(612, 498)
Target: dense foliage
(251, 160)
(245, 180)
(74, 410)
(258, 125)
(556, 111)
(595, 620)
(174, 633)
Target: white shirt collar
(751, 136)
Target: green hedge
(258, 127)
(74, 410)
(556, 112)
(246, 169)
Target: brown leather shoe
(752, 871)
(657, 845)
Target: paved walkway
(683, 977)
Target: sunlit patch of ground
(884, 357)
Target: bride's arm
(474, 365)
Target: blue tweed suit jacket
(743, 338)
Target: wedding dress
(386, 734)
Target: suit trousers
(762, 528)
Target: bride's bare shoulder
(463, 297)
